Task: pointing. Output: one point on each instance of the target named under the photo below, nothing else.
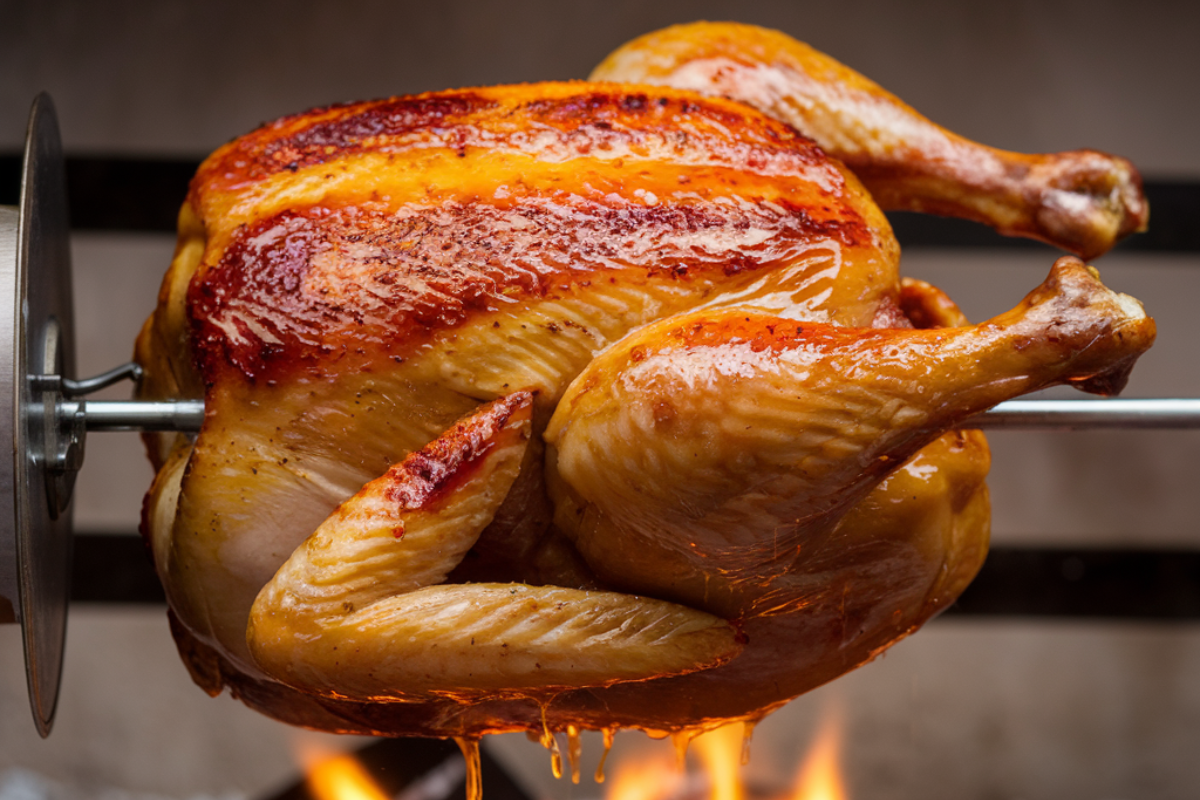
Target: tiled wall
(968, 708)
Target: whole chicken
(595, 404)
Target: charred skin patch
(353, 231)
(310, 287)
(326, 134)
(421, 479)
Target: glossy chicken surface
(581, 404)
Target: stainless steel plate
(36, 338)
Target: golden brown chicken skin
(567, 404)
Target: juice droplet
(551, 744)
(608, 741)
(681, 740)
(574, 751)
(747, 735)
(470, 751)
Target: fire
(820, 777)
(720, 752)
(341, 778)
(657, 776)
(653, 775)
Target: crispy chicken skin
(565, 404)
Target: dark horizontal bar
(1111, 584)
(1014, 582)
(114, 568)
(114, 194)
(1174, 214)
(144, 194)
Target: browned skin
(352, 281)
(708, 394)
(425, 250)
(1083, 201)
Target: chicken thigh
(1083, 201)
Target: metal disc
(36, 338)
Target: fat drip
(549, 742)
(680, 741)
(574, 750)
(474, 778)
(608, 742)
(747, 735)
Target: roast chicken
(595, 404)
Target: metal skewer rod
(1157, 413)
(141, 415)
(1090, 414)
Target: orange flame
(655, 775)
(820, 776)
(341, 778)
(720, 752)
(649, 776)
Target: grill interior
(1067, 669)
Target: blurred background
(1070, 670)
